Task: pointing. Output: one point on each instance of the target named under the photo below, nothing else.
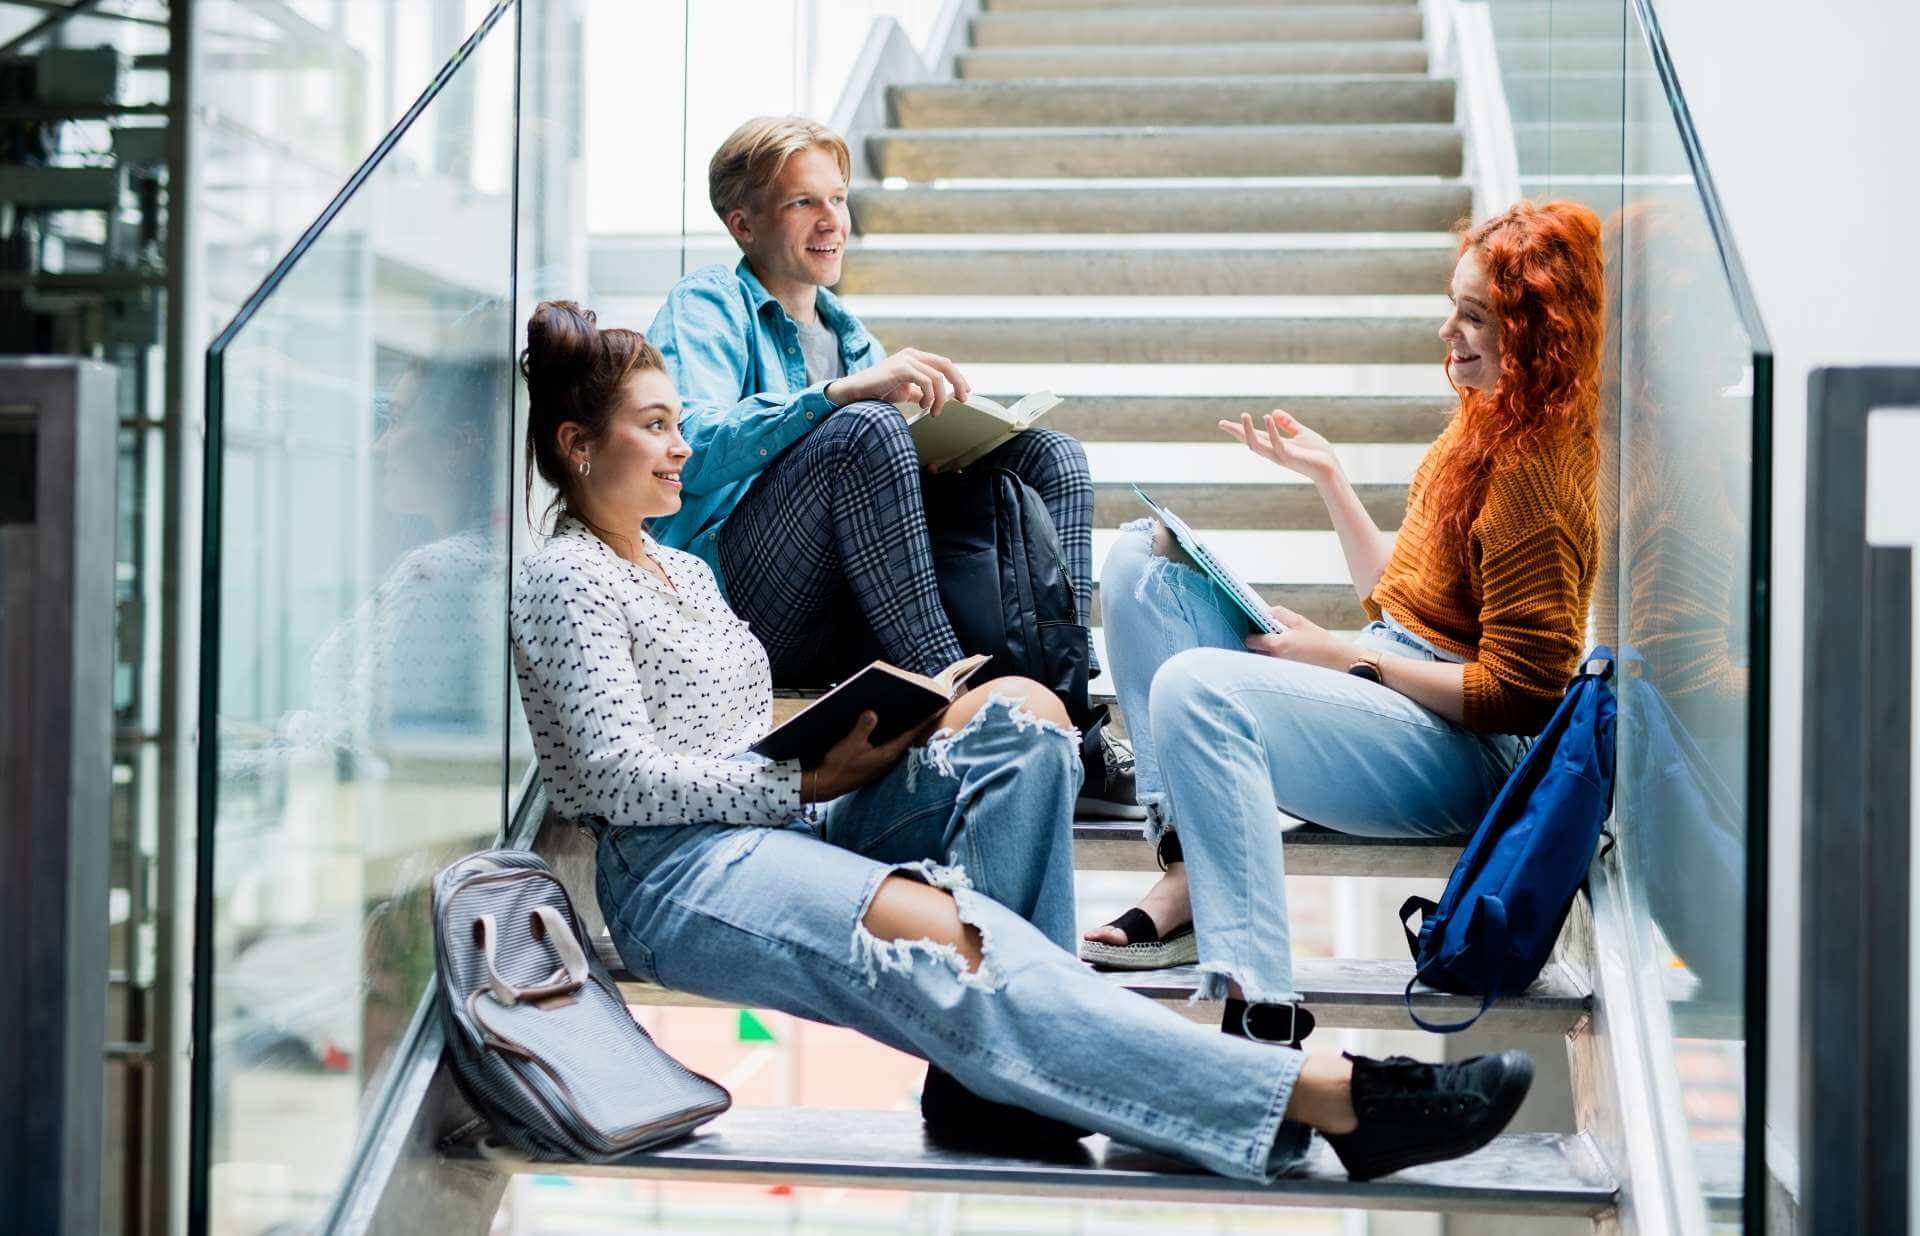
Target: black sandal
(1145, 948)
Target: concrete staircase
(1171, 215)
(1168, 215)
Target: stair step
(1343, 993)
(1220, 60)
(1518, 1173)
(1189, 150)
(1221, 205)
(1317, 99)
(1082, 6)
(1332, 606)
(1121, 845)
(1157, 329)
(1232, 264)
(1280, 559)
(1343, 418)
(1220, 484)
(1242, 23)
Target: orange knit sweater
(1517, 613)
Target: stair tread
(1130, 244)
(1279, 556)
(1347, 993)
(1090, 51)
(1134, 83)
(869, 307)
(1532, 1173)
(1438, 130)
(1195, 379)
(1228, 464)
(1076, 99)
(1121, 845)
(1087, 186)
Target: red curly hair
(1548, 288)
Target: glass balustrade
(1599, 116)
(353, 738)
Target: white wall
(1808, 115)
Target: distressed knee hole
(918, 910)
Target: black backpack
(1005, 586)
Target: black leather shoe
(1108, 791)
(1285, 1024)
(1412, 1112)
(956, 1116)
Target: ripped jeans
(773, 918)
(1225, 740)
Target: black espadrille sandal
(1145, 949)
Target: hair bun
(562, 338)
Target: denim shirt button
(763, 450)
(791, 349)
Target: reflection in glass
(360, 741)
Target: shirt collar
(832, 312)
(571, 525)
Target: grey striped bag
(537, 1034)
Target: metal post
(58, 421)
(1855, 899)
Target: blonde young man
(803, 492)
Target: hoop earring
(585, 467)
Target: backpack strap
(1407, 907)
(1442, 1027)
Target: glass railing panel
(1686, 452)
(360, 410)
(1562, 62)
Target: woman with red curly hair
(1478, 612)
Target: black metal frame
(56, 756)
(200, 1133)
(1855, 899)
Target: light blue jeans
(1225, 740)
(772, 918)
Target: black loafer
(1412, 1112)
(957, 1117)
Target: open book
(1246, 598)
(964, 432)
(901, 700)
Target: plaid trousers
(835, 532)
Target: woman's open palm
(1286, 442)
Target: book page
(952, 678)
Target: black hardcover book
(902, 700)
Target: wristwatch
(1367, 666)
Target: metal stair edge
(1518, 1173)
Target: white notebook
(1245, 597)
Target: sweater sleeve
(1535, 569)
(582, 688)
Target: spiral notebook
(1216, 570)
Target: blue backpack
(1496, 924)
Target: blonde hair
(756, 153)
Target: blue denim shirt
(734, 354)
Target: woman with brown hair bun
(1478, 612)
(929, 903)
